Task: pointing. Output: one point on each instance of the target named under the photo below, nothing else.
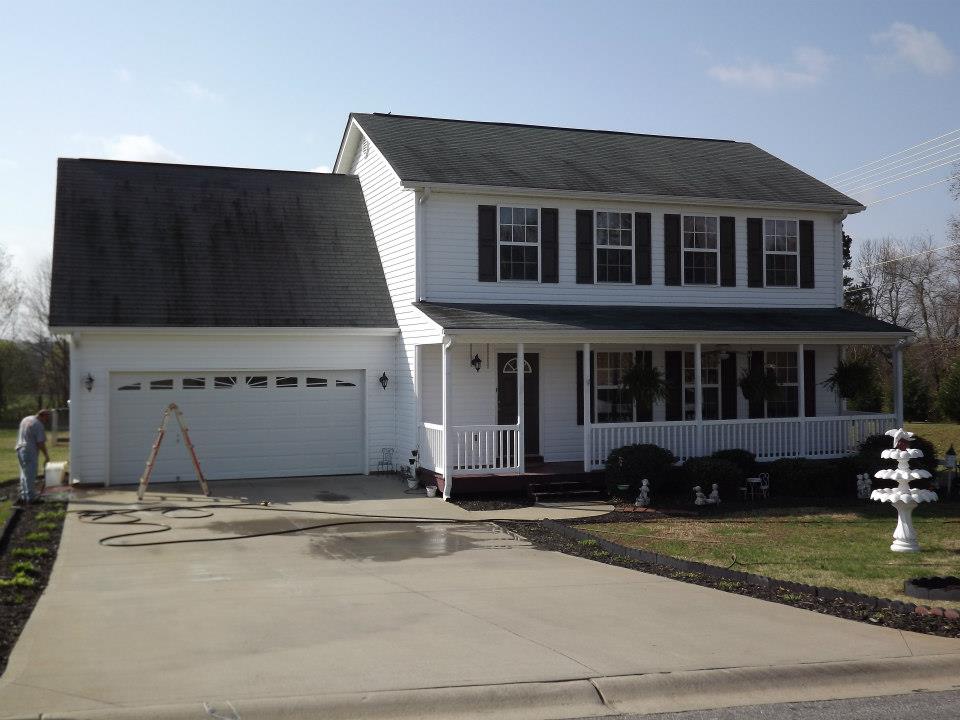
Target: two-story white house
(474, 290)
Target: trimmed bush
(802, 478)
(632, 463)
(743, 459)
(868, 454)
(706, 471)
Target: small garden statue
(700, 499)
(714, 498)
(864, 485)
(643, 499)
(903, 497)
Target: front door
(507, 397)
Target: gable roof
(160, 245)
(442, 151)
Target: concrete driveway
(355, 612)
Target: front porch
(490, 428)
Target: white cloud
(910, 45)
(320, 169)
(123, 75)
(809, 66)
(136, 147)
(198, 91)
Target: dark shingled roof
(432, 150)
(162, 245)
(561, 318)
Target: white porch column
(898, 383)
(520, 414)
(698, 396)
(802, 400)
(449, 459)
(585, 391)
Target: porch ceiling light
(476, 362)
(384, 380)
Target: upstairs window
(701, 255)
(613, 404)
(784, 366)
(614, 247)
(780, 255)
(519, 243)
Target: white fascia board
(606, 197)
(223, 331)
(347, 139)
(673, 337)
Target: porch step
(580, 486)
(558, 494)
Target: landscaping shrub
(803, 478)
(632, 463)
(869, 454)
(743, 459)
(916, 397)
(706, 471)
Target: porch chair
(385, 463)
(764, 485)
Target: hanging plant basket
(851, 379)
(759, 384)
(644, 384)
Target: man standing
(31, 440)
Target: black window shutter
(673, 366)
(806, 254)
(487, 243)
(728, 388)
(585, 246)
(593, 384)
(754, 252)
(809, 383)
(671, 250)
(644, 358)
(644, 252)
(549, 245)
(757, 407)
(728, 252)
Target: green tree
(856, 296)
(949, 396)
(916, 396)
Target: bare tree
(10, 295)
(51, 352)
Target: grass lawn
(942, 435)
(10, 468)
(848, 549)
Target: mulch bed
(900, 617)
(17, 603)
(492, 503)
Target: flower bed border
(763, 581)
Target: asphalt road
(929, 706)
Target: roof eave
(629, 197)
(731, 337)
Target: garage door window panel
(194, 383)
(224, 382)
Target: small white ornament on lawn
(714, 498)
(643, 499)
(700, 499)
(903, 497)
(864, 485)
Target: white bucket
(55, 473)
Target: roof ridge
(552, 127)
(201, 166)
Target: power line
(907, 257)
(919, 171)
(898, 165)
(907, 192)
(887, 157)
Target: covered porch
(481, 418)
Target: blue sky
(827, 86)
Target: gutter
(253, 330)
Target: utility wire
(899, 165)
(919, 171)
(907, 192)
(887, 157)
(907, 257)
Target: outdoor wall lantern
(384, 380)
(476, 362)
(88, 382)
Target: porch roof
(748, 321)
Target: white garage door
(253, 424)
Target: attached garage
(251, 424)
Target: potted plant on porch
(852, 379)
(759, 384)
(645, 384)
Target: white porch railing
(769, 439)
(477, 449)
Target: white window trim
(800, 399)
(523, 244)
(796, 253)
(703, 384)
(597, 387)
(632, 248)
(683, 252)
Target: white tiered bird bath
(903, 497)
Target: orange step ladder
(171, 409)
